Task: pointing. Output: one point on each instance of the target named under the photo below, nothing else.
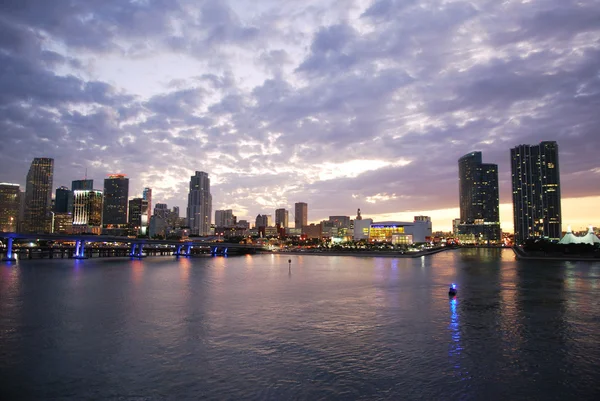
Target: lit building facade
(199, 209)
(479, 199)
(10, 197)
(395, 232)
(536, 191)
(138, 216)
(87, 211)
(362, 228)
(116, 193)
(282, 218)
(62, 223)
(300, 214)
(38, 196)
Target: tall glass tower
(536, 191)
(38, 196)
(147, 196)
(479, 199)
(114, 213)
(199, 207)
(63, 200)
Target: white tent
(570, 238)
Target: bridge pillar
(188, 250)
(178, 251)
(136, 251)
(132, 253)
(139, 251)
(9, 252)
(79, 249)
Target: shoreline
(369, 254)
(520, 254)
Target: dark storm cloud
(290, 89)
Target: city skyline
(343, 107)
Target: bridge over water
(136, 245)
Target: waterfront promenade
(521, 254)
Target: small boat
(452, 290)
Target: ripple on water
(336, 328)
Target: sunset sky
(342, 104)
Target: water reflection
(137, 271)
(184, 269)
(455, 346)
(347, 328)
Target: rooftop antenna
(85, 174)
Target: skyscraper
(199, 209)
(63, 200)
(81, 185)
(9, 207)
(138, 216)
(116, 192)
(536, 191)
(263, 220)
(340, 221)
(300, 215)
(147, 196)
(224, 218)
(161, 210)
(479, 198)
(38, 196)
(282, 217)
(87, 211)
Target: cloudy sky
(342, 104)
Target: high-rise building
(479, 200)
(9, 207)
(161, 210)
(263, 220)
(87, 211)
(147, 196)
(455, 226)
(138, 216)
(38, 196)
(116, 192)
(340, 221)
(62, 223)
(82, 185)
(536, 191)
(199, 209)
(282, 218)
(225, 218)
(63, 200)
(300, 215)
